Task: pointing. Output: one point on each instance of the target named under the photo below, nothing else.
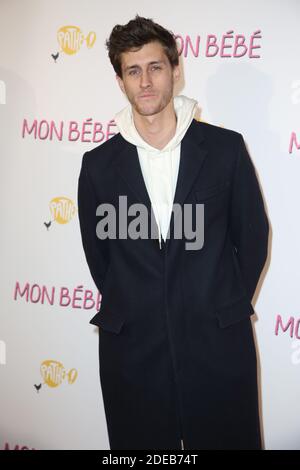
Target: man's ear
(176, 72)
(121, 84)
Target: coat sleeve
(94, 248)
(249, 225)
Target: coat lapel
(192, 156)
(191, 159)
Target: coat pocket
(108, 320)
(234, 312)
(211, 191)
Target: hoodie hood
(184, 108)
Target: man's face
(148, 78)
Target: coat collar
(192, 155)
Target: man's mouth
(148, 95)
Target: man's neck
(156, 130)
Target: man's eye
(134, 72)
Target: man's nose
(145, 80)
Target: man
(178, 363)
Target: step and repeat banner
(58, 99)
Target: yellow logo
(62, 209)
(71, 38)
(53, 373)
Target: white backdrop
(51, 111)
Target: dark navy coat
(176, 349)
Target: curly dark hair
(135, 34)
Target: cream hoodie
(159, 166)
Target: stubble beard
(149, 108)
